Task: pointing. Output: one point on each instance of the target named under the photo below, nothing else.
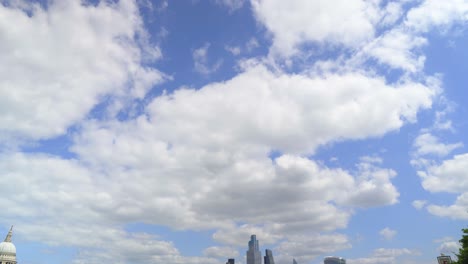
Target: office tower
(230, 261)
(268, 259)
(334, 260)
(294, 261)
(254, 256)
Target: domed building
(8, 250)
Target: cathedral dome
(7, 248)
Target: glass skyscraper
(254, 256)
(268, 259)
(334, 260)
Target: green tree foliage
(463, 251)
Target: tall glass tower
(268, 259)
(334, 260)
(254, 256)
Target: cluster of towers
(254, 256)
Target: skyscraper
(268, 259)
(334, 260)
(254, 256)
(230, 261)
(294, 261)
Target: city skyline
(268, 258)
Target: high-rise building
(294, 261)
(268, 259)
(254, 256)
(8, 250)
(230, 261)
(334, 260)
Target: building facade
(8, 250)
(254, 256)
(334, 260)
(268, 259)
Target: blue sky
(170, 131)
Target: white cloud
(262, 108)
(234, 50)
(391, 13)
(232, 5)
(387, 233)
(304, 248)
(385, 256)
(427, 144)
(201, 62)
(400, 47)
(57, 64)
(208, 142)
(296, 22)
(448, 246)
(435, 13)
(221, 252)
(419, 204)
(373, 187)
(68, 205)
(252, 44)
(458, 210)
(396, 48)
(449, 176)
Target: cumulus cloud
(57, 64)
(419, 204)
(397, 49)
(400, 47)
(66, 203)
(449, 176)
(447, 245)
(426, 144)
(290, 22)
(210, 148)
(373, 187)
(439, 14)
(387, 233)
(267, 109)
(458, 210)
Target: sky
(137, 131)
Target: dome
(7, 248)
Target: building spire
(8, 237)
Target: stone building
(8, 250)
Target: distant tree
(462, 256)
